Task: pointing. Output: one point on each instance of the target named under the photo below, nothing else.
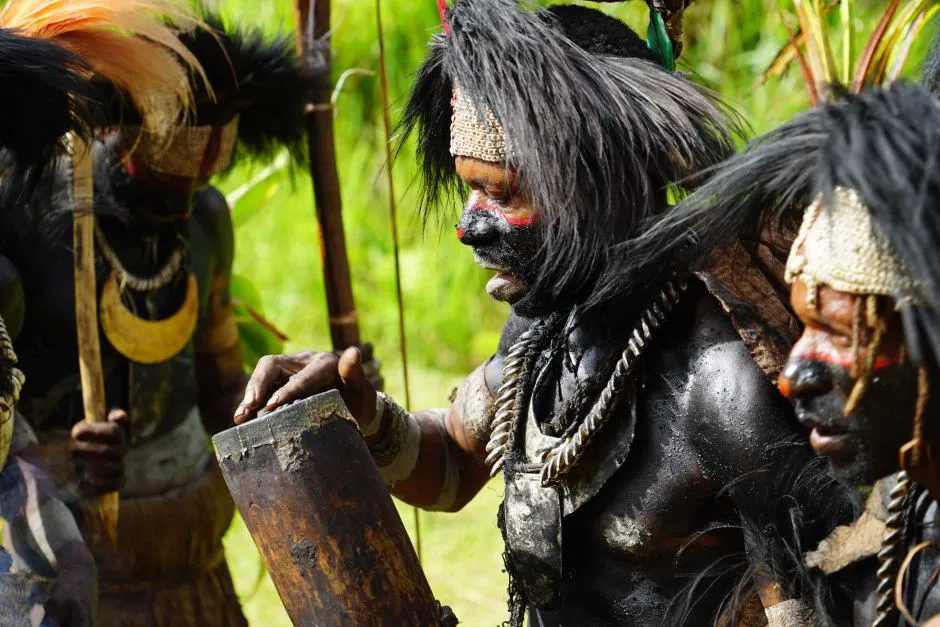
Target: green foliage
(259, 337)
(887, 44)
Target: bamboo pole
(101, 524)
(313, 23)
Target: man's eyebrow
(486, 182)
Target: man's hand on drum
(282, 379)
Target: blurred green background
(452, 325)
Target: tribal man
(170, 348)
(646, 455)
(860, 174)
(861, 374)
(59, 65)
(863, 270)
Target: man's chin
(506, 288)
(860, 471)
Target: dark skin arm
(219, 368)
(742, 415)
(281, 379)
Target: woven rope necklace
(510, 401)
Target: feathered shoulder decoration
(55, 55)
(46, 94)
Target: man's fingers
(98, 432)
(96, 450)
(350, 367)
(317, 377)
(358, 392)
(119, 416)
(262, 383)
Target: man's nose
(476, 228)
(804, 377)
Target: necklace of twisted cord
(126, 279)
(564, 456)
(10, 391)
(889, 557)
(516, 370)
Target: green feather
(657, 39)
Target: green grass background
(452, 325)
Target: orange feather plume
(126, 42)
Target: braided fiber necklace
(510, 401)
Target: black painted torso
(705, 416)
(37, 241)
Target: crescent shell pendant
(147, 341)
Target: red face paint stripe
(442, 10)
(523, 220)
(519, 220)
(460, 232)
(211, 154)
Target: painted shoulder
(212, 215)
(727, 401)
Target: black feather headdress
(46, 94)
(258, 78)
(596, 129)
(883, 143)
(255, 77)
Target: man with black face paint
(625, 405)
(859, 175)
(861, 374)
(170, 350)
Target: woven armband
(396, 452)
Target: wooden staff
(101, 523)
(313, 23)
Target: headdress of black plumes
(883, 143)
(45, 95)
(258, 78)
(596, 129)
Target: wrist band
(396, 452)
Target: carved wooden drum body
(311, 496)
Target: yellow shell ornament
(148, 341)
